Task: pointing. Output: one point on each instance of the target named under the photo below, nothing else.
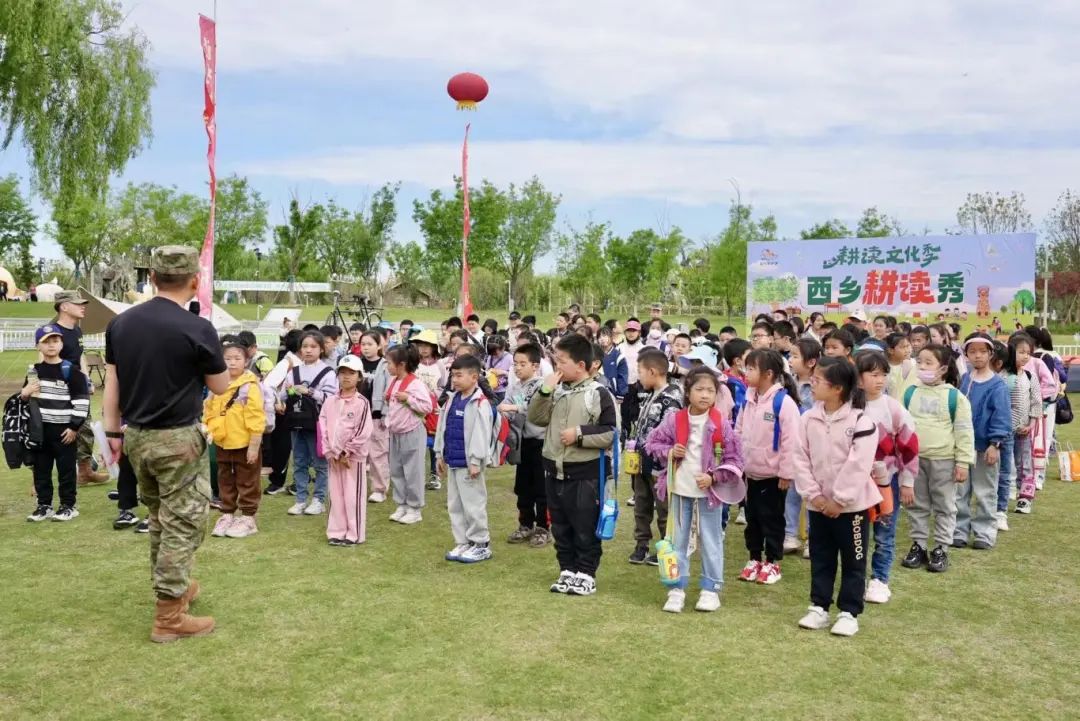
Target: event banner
(916, 276)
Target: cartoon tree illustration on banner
(775, 291)
(1025, 299)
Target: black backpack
(23, 431)
(302, 412)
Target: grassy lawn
(390, 630)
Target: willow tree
(74, 90)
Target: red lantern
(467, 89)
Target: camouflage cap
(69, 296)
(175, 260)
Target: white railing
(18, 335)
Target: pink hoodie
(755, 428)
(1048, 383)
(345, 424)
(404, 418)
(835, 458)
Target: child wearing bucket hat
(703, 472)
(434, 375)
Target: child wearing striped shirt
(59, 390)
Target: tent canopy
(99, 311)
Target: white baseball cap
(351, 362)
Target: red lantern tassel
(466, 105)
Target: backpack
(738, 395)
(431, 420)
(503, 440)
(682, 426)
(953, 393)
(302, 412)
(1055, 364)
(777, 404)
(19, 441)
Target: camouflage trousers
(84, 443)
(173, 468)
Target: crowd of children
(818, 434)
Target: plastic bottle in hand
(31, 378)
(669, 562)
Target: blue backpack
(777, 404)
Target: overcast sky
(638, 113)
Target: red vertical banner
(465, 304)
(208, 38)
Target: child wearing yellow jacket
(235, 421)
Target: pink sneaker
(242, 527)
(769, 574)
(222, 525)
(750, 571)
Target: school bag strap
(777, 404)
(682, 426)
(909, 392)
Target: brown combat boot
(88, 476)
(190, 594)
(171, 623)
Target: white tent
(46, 292)
(99, 311)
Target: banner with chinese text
(918, 276)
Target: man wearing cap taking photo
(70, 309)
(158, 357)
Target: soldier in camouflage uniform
(158, 358)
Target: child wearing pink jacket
(769, 446)
(345, 425)
(408, 401)
(833, 468)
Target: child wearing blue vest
(462, 451)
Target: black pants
(646, 504)
(530, 485)
(280, 450)
(575, 507)
(843, 537)
(127, 485)
(765, 518)
(54, 451)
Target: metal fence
(19, 335)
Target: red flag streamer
(466, 304)
(208, 37)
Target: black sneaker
(337, 542)
(915, 558)
(114, 495)
(143, 527)
(981, 545)
(959, 543)
(939, 560)
(41, 513)
(291, 489)
(215, 502)
(66, 513)
(126, 519)
(273, 490)
(639, 555)
(652, 560)
(582, 585)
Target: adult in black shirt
(158, 358)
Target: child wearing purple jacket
(701, 453)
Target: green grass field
(389, 630)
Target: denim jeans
(1005, 474)
(885, 537)
(710, 540)
(792, 506)
(304, 457)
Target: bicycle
(361, 312)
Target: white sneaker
(708, 601)
(877, 592)
(1023, 506)
(1039, 483)
(377, 497)
(242, 527)
(806, 551)
(473, 553)
(583, 585)
(816, 618)
(455, 553)
(791, 544)
(397, 515)
(676, 599)
(296, 509)
(1002, 521)
(846, 625)
(315, 508)
(413, 515)
(741, 520)
(222, 525)
(66, 513)
(562, 584)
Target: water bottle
(669, 562)
(32, 377)
(631, 458)
(609, 514)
